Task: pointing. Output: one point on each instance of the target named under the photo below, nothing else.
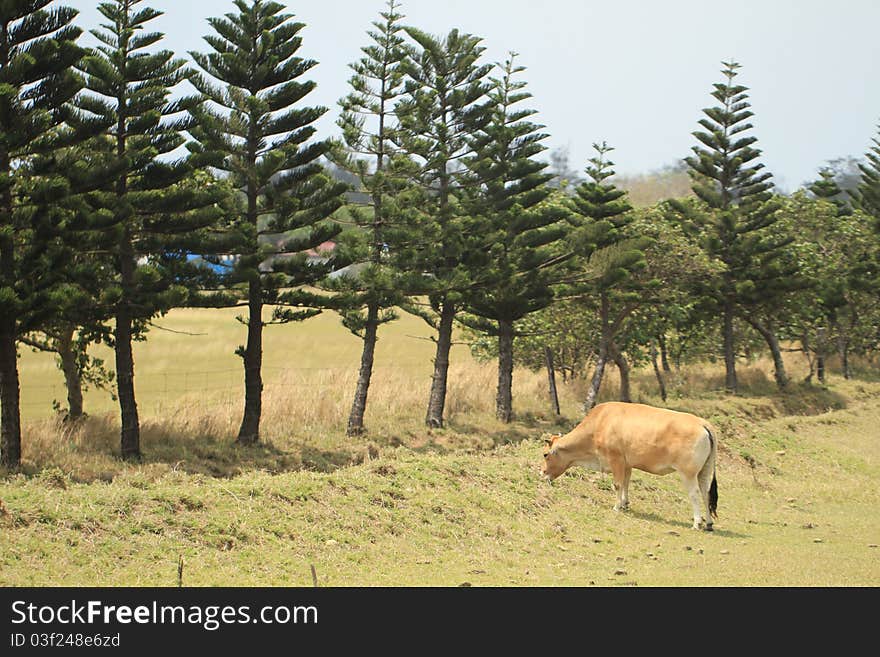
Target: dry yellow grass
(310, 368)
(190, 390)
(190, 399)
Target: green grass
(799, 478)
(410, 518)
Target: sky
(633, 73)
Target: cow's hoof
(709, 528)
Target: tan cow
(618, 437)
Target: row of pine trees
(119, 162)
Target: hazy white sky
(635, 73)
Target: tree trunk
(437, 398)
(249, 432)
(72, 375)
(551, 378)
(624, 369)
(504, 396)
(821, 350)
(843, 351)
(664, 354)
(10, 414)
(808, 354)
(602, 359)
(596, 382)
(660, 381)
(766, 331)
(359, 406)
(730, 383)
(130, 438)
(10, 394)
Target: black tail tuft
(713, 489)
(713, 497)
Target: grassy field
(799, 478)
(192, 353)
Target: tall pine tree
(37, 54)
(867, 195)
(505, 201)
(367, 298)
(607, 256)
(81, 317)
(444, 108)
(256, 132)
(730, 226)
(154, 211)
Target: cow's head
(554, 463)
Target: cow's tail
(710, 463)
(713, 497)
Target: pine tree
(255, 131)
(608, 257)
(80, 369)
(828, 293)
(506, 202)
(154, 211)
(79, 316)
(826, 188)
(867, 195)
(443, 109)
(866, 269)
(37, 53)
(368, 297)
(731, 225)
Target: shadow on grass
(89, 452)
(806, 399)
(523, 428)
(682, 527)
(222, 457)
(758, 405)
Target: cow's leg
(692, 485)
(624, 496)
(621, 482)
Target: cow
(618, 437)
